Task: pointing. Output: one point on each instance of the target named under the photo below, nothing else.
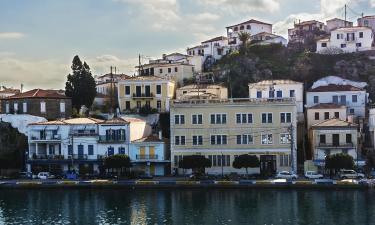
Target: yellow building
(137, 92)
(222, 129)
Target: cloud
(101, 64)
(11, 35)
(372, 3)
(235, 6)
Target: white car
(350, 174)
(313, 175)
(45, 175)
(286, 175)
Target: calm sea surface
(186, 207)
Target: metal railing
(46, 138)
(105, 139)
(235, 101)
(143, 95)
(336, 145)
(140, 157)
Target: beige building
(223, 129)
(137, 92)
(202, 91)
(331, 137)
(325, 111)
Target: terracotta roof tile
(333, 123)
(39, 93)
(334, 87)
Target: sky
(38, 38)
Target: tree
(246, 161)
(370, 162)
(244, 37)
(118, 162)
(195, 162)
(339, 161)
(80, 85)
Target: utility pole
(111, 93)
(345, 15)
(139, 65)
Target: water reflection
(186, 207)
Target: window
(127, 90)
(197, 140)
(7, 108)
(62, 107)
(15, 107)
(285, 160)
(197, 119)
(285, 117)
(139, 104)
(43, 107)
(354, 98)
(337, 114)
(176, 69)
(348, 138)
(70, 149)
(322, 139)
(111, 151)
(242, 27)
(244, 118)
(316, 116)
(338, 36)
(218, 139)
(259, 94)
(158, 105)
(235, 29)
(179, 140)
(24, 107)
(245, 139)
(279, 94)
(343, 99)
(335, 99)
(121, 150)
(292, 93)
(266, 117)
(326, 115)
(169, 70)
(360, 34)
(51, 149)
(158, 89)
(218, 118)
(343, 45)
(267, 139)
(90, 149)
(316, 99)
(358, 44)
(285, 138)
(179, 119)
(248, 27)
(127, 105)
(351, 111)
(160, 70)
(271, 94)
(324, 45)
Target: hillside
(256, 63)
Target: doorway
(268, 165)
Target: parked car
(313, 175)
(25, 175)
(345, 174)
(45, 175)
(286, 175)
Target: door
(152, 169)
(152, 152)
(267, 165)
(335, 139)
(142, 152)
(138, 91)
(147, 91)
(80, 151)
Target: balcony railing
(336, 145)
(84, 134)
(235, 101)
(143, 95)
(105, 139)
(47, 138)
(146, 157)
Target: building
(202, 91)
(221, 130)
(367, 21)
(137, 92)
(331, 137)
(335, 23)
(341, 92)
(277, 89)
(7, 92)
(106, 82)
(371, 125)
(325, 111)
(346, 40)
(174, 66)
(252, 27)
(50, 104)
(265, 38)
(305, 30)
(66, 145)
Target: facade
(251, 27)
(354, 98)
(50, 104)
(306, 29)
(371, 125)
(153, 91)
(67, 145)
(105, 83)
(346, 40)
(325, 111)
(276, 89)
(367, 21)
(265, 38)
(335, 23)
(202, 91)
(7, 92)
(331, 137)
(223, 129)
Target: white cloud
(11, 35)
(101, 64)
(372, 3)
(235, 6)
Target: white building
(265, 38)
(304, 30)
(274, 89)
(66, 145)
(339, 91)
(335, 23)
(251, 27)
(346, 40)
(202, 91)
(367, 21)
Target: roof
(307, 22)
(151, 138)
(115, 120)
(327, 106)
(146, 78)
(197, 46)
(220, 38)
(368, 17)
(275, 82)
(10, 91)
(202, 86)
(120, 76)
(352, 29)
(334, 123)
(266, 33)
(176, 53)
(335, 87)
(132, 119)
(250, 21)
(340, 20)
(74, 121)
(40, 93)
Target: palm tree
(244, 37)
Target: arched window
(235, 29)
(242, 27)
(248, 27)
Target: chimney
(160, 135)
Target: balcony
(143, 96)
(84, 134)
(47, 138)
(335, 145)
(105, 139)
(146, 157)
